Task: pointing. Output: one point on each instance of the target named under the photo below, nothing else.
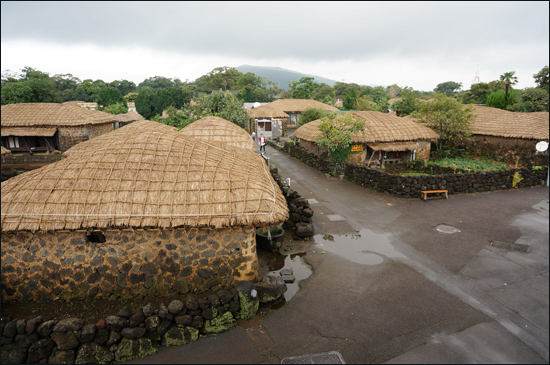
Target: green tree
(118, 108)
(124, 86)
(312, 114)
(509, 79)
(178, 118)
(366, 103)
(407, 105)
(449, 88)
(531, 99)
(109, 96)
(221, 78)
(336, 131)
(541, 78)
(498, 99)
(480, 91)
(393, 91)
(447, 117)
(130, 97)
(144, 103)
(157, 82)
(322, 93)
(223, 104)
(16, 92)
(350, 99)
(379, 96)
(303, 88)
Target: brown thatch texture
(74, 102)
(266, 111)
(502, 123)
(51, 114)
(217, 130)
(379, 127)
(128, 117)
(393, 100)
(393, 146)
(4, 151)
(299, 105)
(108, 138)
(149, 179)
(27, 131)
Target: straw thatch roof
(217, 130)
(267, 111)
(4, 151)
(393, 146)
(128, 117)
(148, 179)
(393, 100)
(502, 123)
(51, 114)
(299, 105)
(111, 137)
(379, 127)
(27, 131)
(74, 102)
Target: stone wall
(128, 334)
(124, 263)
(443, 179)
(446, 178)
(300, 212)
(73, 135)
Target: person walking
(261, 142)
(254, 136)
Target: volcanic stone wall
(126, 335)
(73, 135)
(115, 264)
(444, 178)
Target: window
(13, 142)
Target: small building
(253, 105)
(127, 118)
(153, 213)
(295, 107)
(217, 131)
(387, 139)
(263, 117)
(45, 127)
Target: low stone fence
(441, 178)
(300, 212)
(9, 159)
(133, 334)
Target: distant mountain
(281, 76)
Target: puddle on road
(273, 263)
(446, 229)
(365, 247)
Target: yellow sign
(357, 148)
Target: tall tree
(509, 79)
(447, 117)
(224, 78)
(350, 99)
(541, 78)
(303, 88)
(109, 96)
(157, 82)
(449, 88)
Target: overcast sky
(418, 44)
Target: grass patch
(472, 165)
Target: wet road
(388, 286)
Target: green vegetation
(447, 117)
(311, 114)
(517, 179)
(336, 131)
(472, 165)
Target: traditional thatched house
(266, 115)
(150, 213)
(295, 107)
(127, 118)
(387, 139)
(45, 127)
(114, 136)
(215, 130)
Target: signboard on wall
(357, 148)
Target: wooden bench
(424, 193)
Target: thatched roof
(267, 111)
(393, 146)
(393, 100)
(27, 131)
(111, 137)
(217, 130)
(4, 151)
(379, 127)
(51, 114)
(299, 105)
(128, 117)
(74, 102)
(147, 179)
(502, 123)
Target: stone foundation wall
(73, 135)
(130, 263)
(129, 334)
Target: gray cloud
(306, 31)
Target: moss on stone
(220, 324)
(133, 349)
(249, 307)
